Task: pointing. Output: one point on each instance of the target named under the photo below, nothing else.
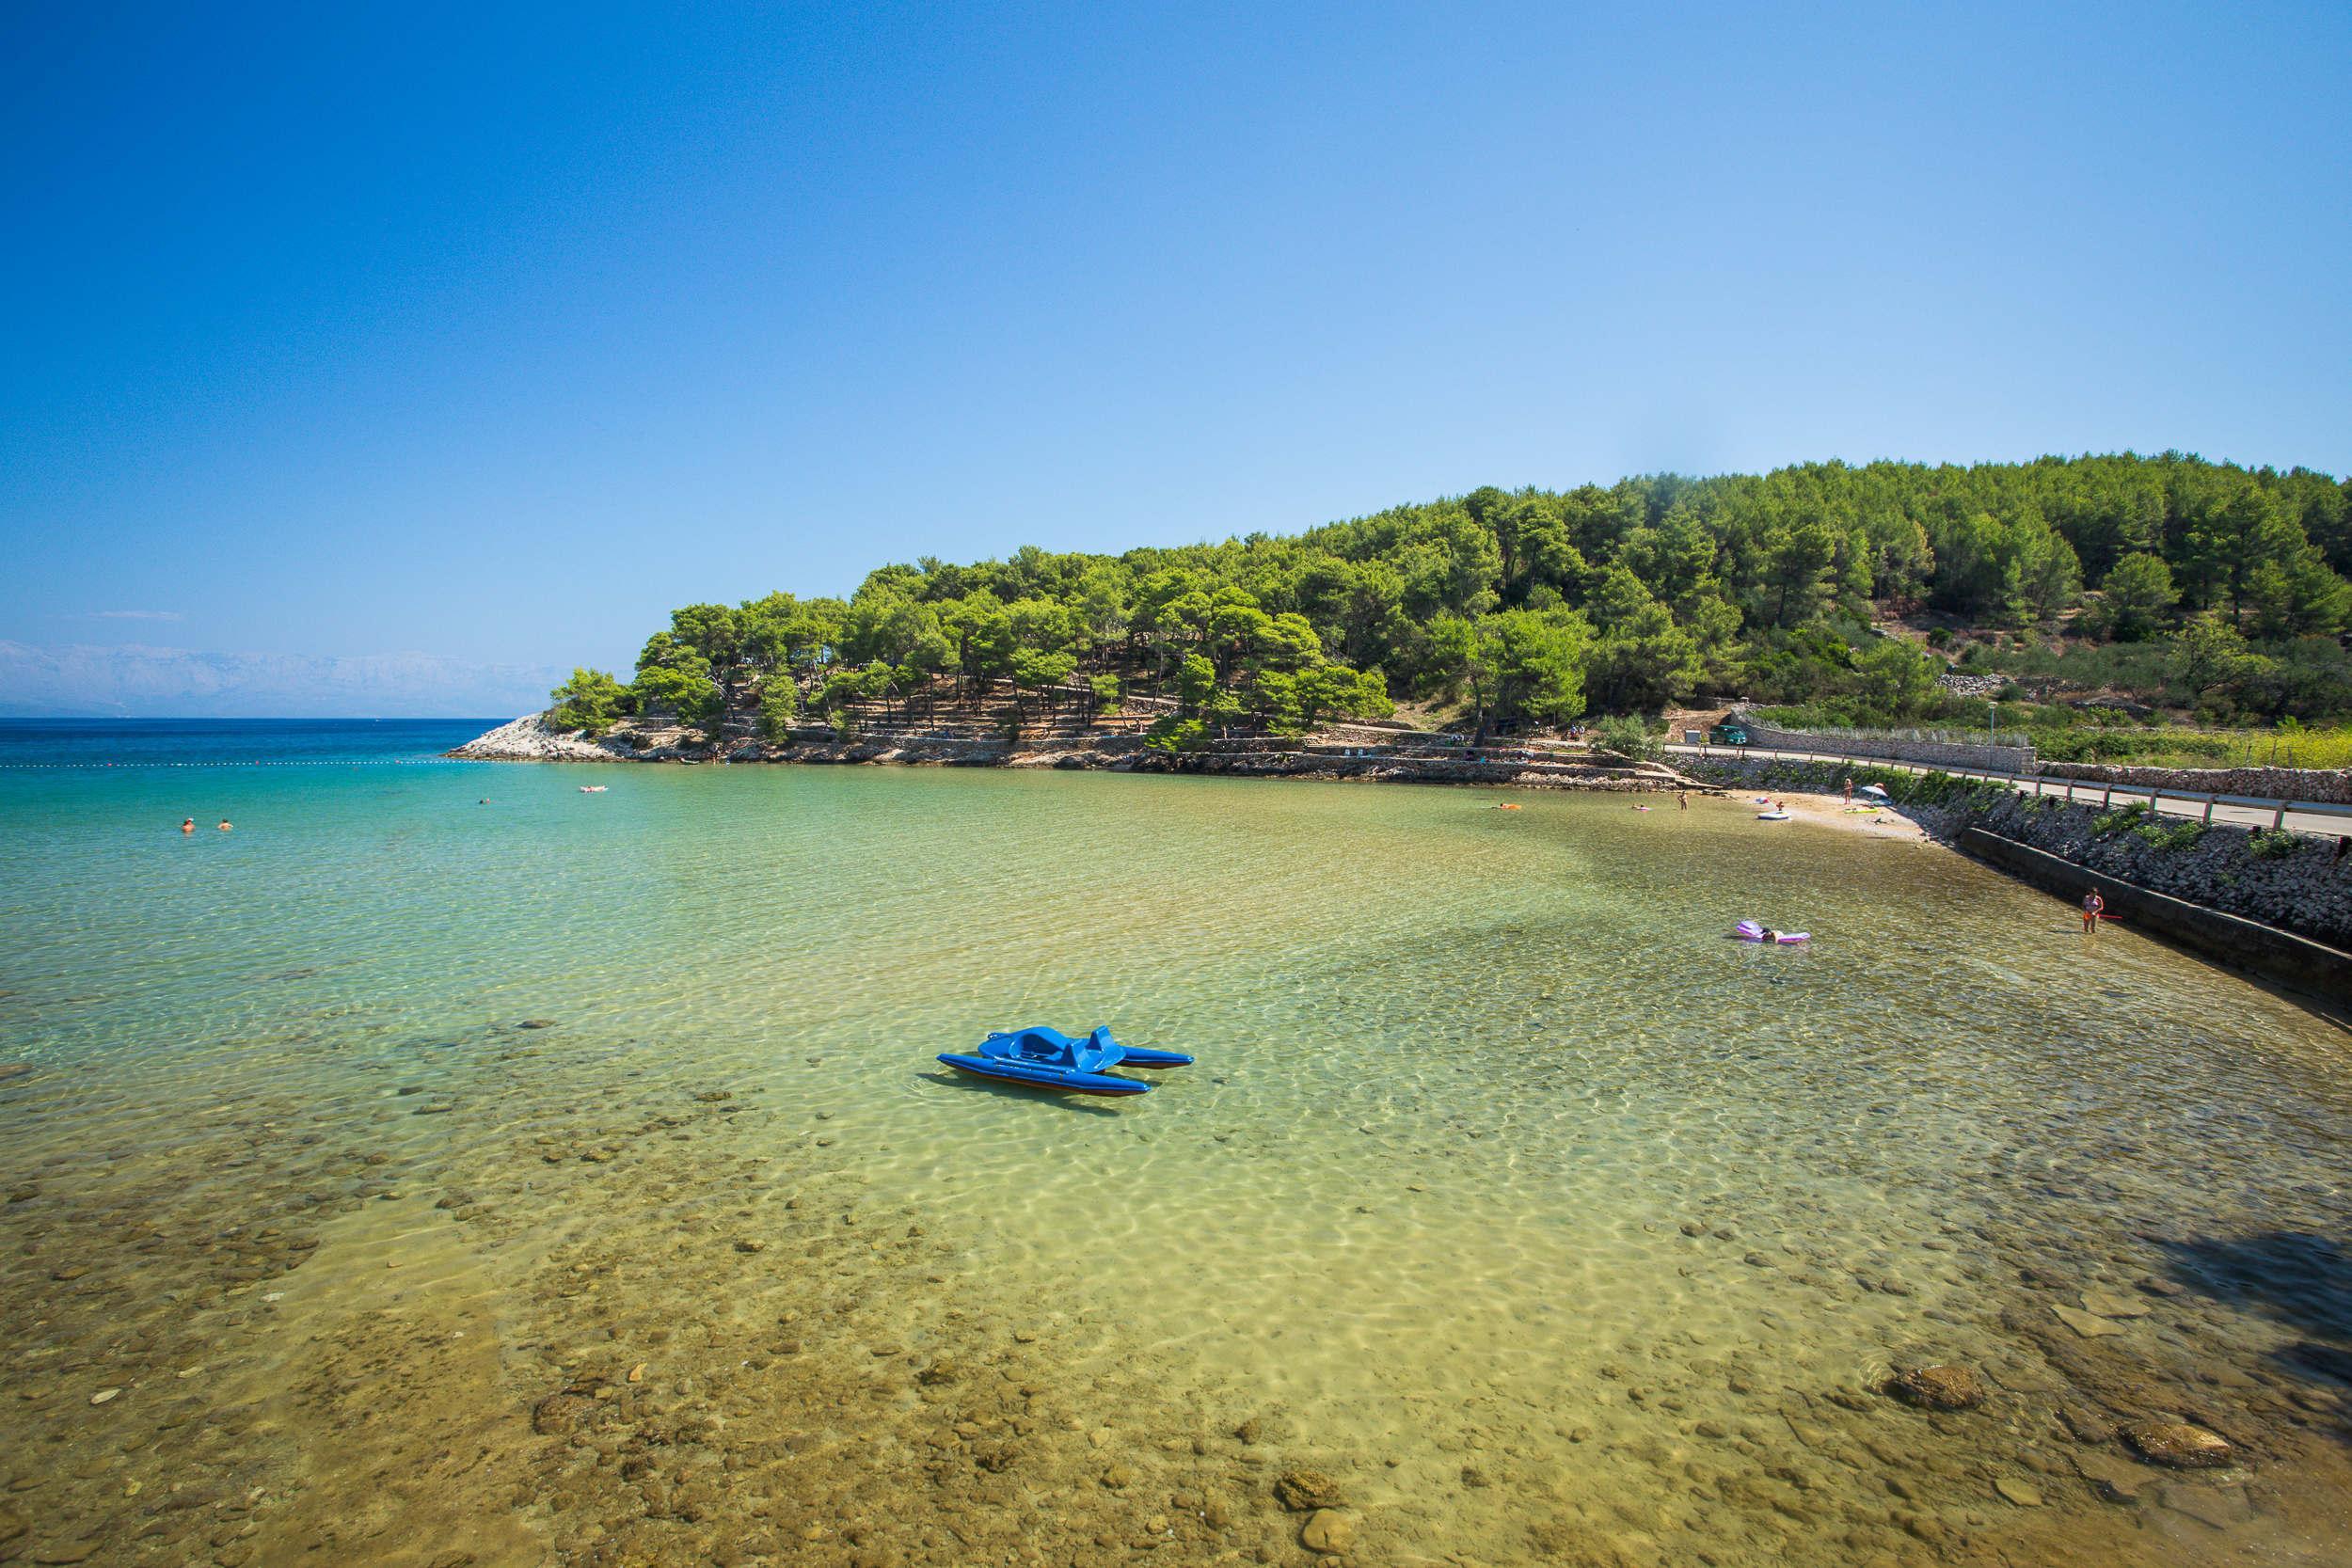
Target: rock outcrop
(533, 739)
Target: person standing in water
(188, 824)
(224, 824)
(2094, 907)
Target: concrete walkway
(2243, 811)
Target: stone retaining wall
(2305, 888)
(2264, 950)
(1377, 768)
(2326, 786)
(1927, 754)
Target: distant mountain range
(136, 681)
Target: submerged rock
(1329, 1532)
(1938, 1387)
(2085, 1426)
(560, 1414)
(2179, 1445)
(2085, 1324)
(2116, 1481)
(1302, 1490)
(2219, 1507)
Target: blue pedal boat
(1049, 1059)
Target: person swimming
(224, 824)
(188, 826)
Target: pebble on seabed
(2179, 1444)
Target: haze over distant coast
(135, 680)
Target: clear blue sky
(492, 332)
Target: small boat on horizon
(1048, 1059)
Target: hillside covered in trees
(2208, 587)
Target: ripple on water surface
(1506, 1191)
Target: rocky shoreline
(1406, 759)
(532, 739)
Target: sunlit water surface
(1506, 1191)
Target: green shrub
(2271, 846)
(2169, 835)
(1627, 735)
(778, 703)
(1172, 734)
(2120, 819)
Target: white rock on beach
(532, 739)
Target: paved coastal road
(2244, 811)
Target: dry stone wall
(2329, 786)
(1928, 753)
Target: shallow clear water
(1544, 1220)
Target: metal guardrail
(2192, 803)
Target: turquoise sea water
(1506, 1192)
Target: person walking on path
(2094, 907)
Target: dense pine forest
(1842, 593)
